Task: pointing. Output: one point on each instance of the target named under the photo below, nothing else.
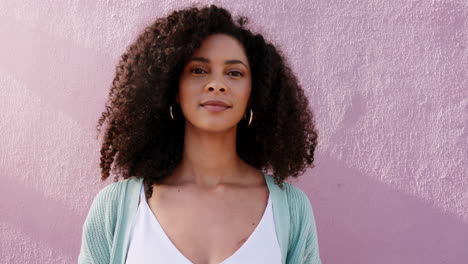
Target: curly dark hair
(142, 140)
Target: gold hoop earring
(251, 116)
(170, 112)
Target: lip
(215, 103)
(215, 108)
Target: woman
(198, 108)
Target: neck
(210, 159)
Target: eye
(237, 73)
(197, 70)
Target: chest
(208, 228)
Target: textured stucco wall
(387, 81)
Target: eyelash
(239, 75)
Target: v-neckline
(175, 249)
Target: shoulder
(298, 201)
(102, 221)
(107, 200)
(117, 187)
(105, 206)
(295, 199)
(113, 192)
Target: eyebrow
(202, 59)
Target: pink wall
(387, 81)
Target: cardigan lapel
(129, 205)
(127, 211)
(280, 215)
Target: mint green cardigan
(107, 227)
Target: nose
(216, 85)
(213, 88)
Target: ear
(177, 98)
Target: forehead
(221, 47)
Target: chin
(211, 126)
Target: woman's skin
(213, 200)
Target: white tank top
(150, 244)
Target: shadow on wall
(360, 220)
(44, 220)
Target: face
(219, 70)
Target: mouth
(215, 105)
(215, 108)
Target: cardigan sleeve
(304, 247)
(98, 228)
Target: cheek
(244, 95)
(187, 92)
